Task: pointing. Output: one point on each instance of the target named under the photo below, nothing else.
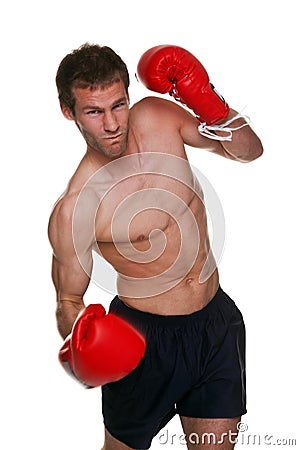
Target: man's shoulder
(63, 209)
(64, 206)
(155, 106)
(62, 213)
(153, 102)
(73, 212)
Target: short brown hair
(89, 66)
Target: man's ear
(67, 112)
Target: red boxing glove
(101, 348)
(168, 68)
(65, 358)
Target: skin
(112, 131)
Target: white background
(251, 51)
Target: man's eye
(93, 112)
(119, 105)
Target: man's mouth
(111, 138)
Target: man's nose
(110, 122)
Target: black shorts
(194, 365)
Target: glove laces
(209, 130)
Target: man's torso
(150, 221)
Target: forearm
(245, 145)
(66, 314)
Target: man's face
(102, 116)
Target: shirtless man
(194, 363)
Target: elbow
(254, 151)
(254, 154)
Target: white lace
(208, 130)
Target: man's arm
(245, 145)
(93, 336)
(69, 277)
(172, 69)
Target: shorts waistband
(121, 309)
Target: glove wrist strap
(209, 130)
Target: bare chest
(153, 196)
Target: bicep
(70, 277)
(71, 266)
